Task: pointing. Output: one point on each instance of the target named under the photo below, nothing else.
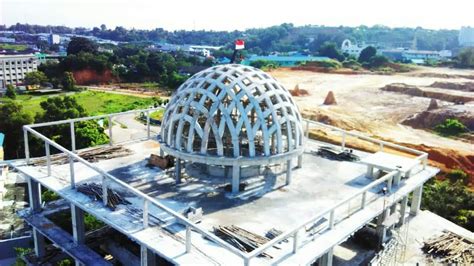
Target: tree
(81, 44)
(35, 78)
(13, 118)
(466, 58)
(88, 133)
(10, 93)
(330, 50)
(69, 83)
(366, 54)
(378, 61)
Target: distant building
(415, 56)
(54, 39)
(285, 60)
(14, 67)
(349, 48)
(7, 40)
(466, 37)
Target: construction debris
(241, 238)
(90, 155)
(94, 191)
(330, 99)
(450, 248)
(335, 154)
(162, 162)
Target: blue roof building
(281, 60)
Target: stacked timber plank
(90, 155)
(241, 238)
(450, 248)
(94, 191)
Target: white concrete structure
(14, 67)
(466, 37)
(232, 115)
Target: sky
(238, 14)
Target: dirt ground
(362, 106)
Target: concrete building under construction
(244, 184)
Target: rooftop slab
(266, 202)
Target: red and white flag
(239, 44)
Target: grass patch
(95, 102)
(16, 47)
(158, 115)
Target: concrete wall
(7, 246)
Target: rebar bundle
(94, 191)
(450, 248)
(241, 238)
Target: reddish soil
(89, 76)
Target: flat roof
(266, 202)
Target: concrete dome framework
(232, 115)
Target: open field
(362, 106)
(94, 102)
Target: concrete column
(38, 240)
(370, 171)
(381, 230)
(177, 169)
(162, 152)
(326, 259)
(416, 200)
(398, 177)
(34, 190)
(235, 179)
(78, 228)
(300, 161)
(403, 209)
(147, 257)
(288, 172)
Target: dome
(233, 113)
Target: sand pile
(415, 91)
(330, 99)
(462, 86)
(432, 117)
(433, 105)
(298, 92)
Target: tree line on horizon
(282, 38)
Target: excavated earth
(397, 115)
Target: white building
(352, 49)
(466, 37)
(14, 67)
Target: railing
(422, 157)
(106, 178)
(361, 196)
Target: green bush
(264, 64)
(451, 127)
(457, 175)
(452, 201)
(11, 92)
(352, 64)
(49, 195)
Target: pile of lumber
(94, 191)
(241, 238)
(450, 248)
(90, 155)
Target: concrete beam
(235, 179)
(147, 257)
(177, 169)
(288, 172)
(34, 190)
(78, 228)
(416, 200)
